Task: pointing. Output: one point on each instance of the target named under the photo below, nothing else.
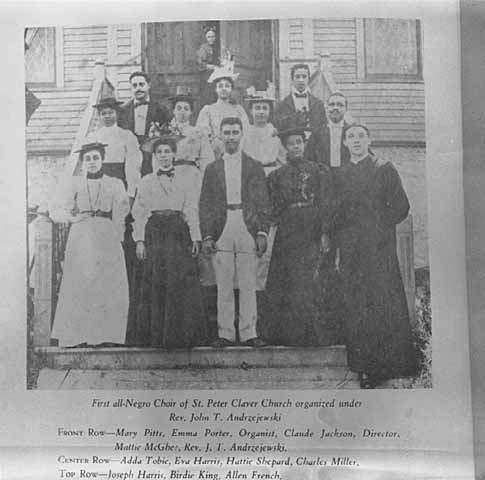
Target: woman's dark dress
(289, 311)
(377, 327)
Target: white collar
(135, 101)
(165, 169)
(294, 91)
(233, 156)
(336, 125)
(359, 159)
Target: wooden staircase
(199, 368)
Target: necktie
(142, 102)
(169, 173)
(300, 95)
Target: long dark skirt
(377, 328)
(167, 306)
(289, 311)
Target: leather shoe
(255, 342)
(366, 382)
(221, 343)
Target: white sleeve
(133, 160)
(121, 207)
(191, 208)
(203, 121)
(140, 211)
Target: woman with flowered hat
(93, 298)
(210, 117)
(167, 311)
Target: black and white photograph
(227, 204)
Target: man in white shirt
(300, 102)
(234, 213)
(325, 146)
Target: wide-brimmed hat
(107, 102)
(268, 95)
(182, 94)
(226, 70)
(166, 133)
(91, 146)
(294, 124)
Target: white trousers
(236, 257)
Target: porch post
(43, 282)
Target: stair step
(289, 378)
(141, 359)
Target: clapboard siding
(338, 38)
(394, 111)
(53, 126)
(295, 37)
(82, 47)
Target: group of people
(269, 210)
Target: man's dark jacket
(155, 113)
(254, 198)
(318, 147)
(286, 108)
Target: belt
(185, 162)
(234, 206)
(270, 164)
(299, 205)
(166, 212)
(98, 213)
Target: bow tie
(142, 102)
(169, 173)
(94, 176)
(300, 95)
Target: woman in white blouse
(93, 298)
(168, 310)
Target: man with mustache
(142, 113)
(300, 102)
(326, 148)
(326, 145)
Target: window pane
(391, 47)
(40, 57)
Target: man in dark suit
(326, 148)
(234, 214)
(300, 100)
(326, 144)
(141, 113)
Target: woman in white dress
(262, 143)
(93, 298)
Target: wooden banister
(43, 282)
